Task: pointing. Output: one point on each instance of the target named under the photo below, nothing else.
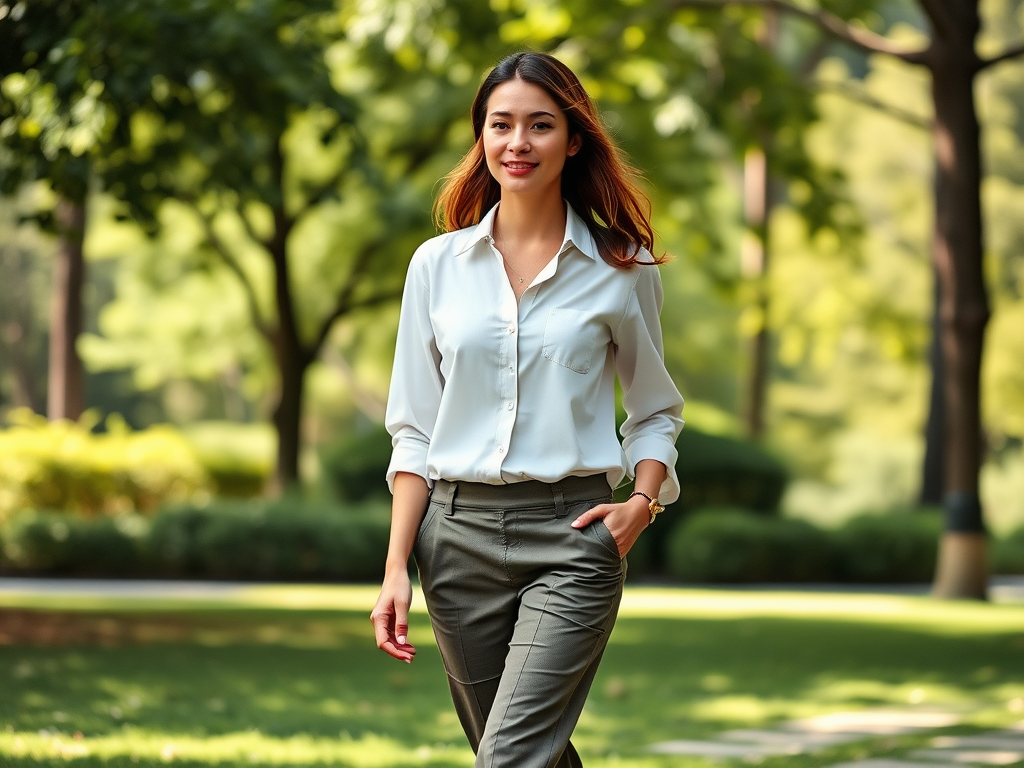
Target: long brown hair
(597, 182)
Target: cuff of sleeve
(656, 447)
(406, 457)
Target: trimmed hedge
(1008, 553)
(728, 545)
(357, 465)
(228, 540)
(727, 472)
(892, 548)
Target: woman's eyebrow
(503, 113)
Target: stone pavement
(803, 736)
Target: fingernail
(401, 639)
(575, 523)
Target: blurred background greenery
(244, 184)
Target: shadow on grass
(273, 688)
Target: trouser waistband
(530, 493)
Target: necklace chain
(501, 245)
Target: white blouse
(487, 390)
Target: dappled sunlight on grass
(251, 747)
(236, 684)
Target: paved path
(998, 748)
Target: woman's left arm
(653, 411)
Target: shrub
(718, 471)
(237, 458)
(63, 465)
(895, 547)
(58, 543)
(282, 540)
(730, 545)
(357, 465)
(1008, 553)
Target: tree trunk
(933, 471)
(292, 359)
(754, 265)
(963, 312)
(65, 399)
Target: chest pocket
(570, 340)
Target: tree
(953, 62)
(292, 120)
(73, 76)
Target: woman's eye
(542, 126)
(499, 125)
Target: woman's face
(526, 139)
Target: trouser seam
(598, 646)
(519, 678)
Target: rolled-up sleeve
(652, 402)
(416, 383)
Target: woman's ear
(575, 144)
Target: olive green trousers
(521, 605)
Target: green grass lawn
(290, 676)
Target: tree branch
(860, 96)
(1010, 53)
(829, 22)
(344, 303)
(249, 229)
(231, 263)
(328, 187)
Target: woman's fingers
(391, 630)
(592, 514)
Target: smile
(519, 168)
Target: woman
(502, 412)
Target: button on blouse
(488, 389)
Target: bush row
(734, 546)
(226, 540)
(286, 540)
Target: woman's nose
(519, 141)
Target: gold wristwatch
(654, 506)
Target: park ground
(284, 675)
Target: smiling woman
(513, 328)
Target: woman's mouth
(519, 168)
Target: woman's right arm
(390, 616)
(413, 402)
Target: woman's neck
(523, 219)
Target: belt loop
(556, 492)
(449, 499)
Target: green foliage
(63, 465)
(357, 464)
(1008, 553)
(55, 543)
(887, 548)
(730, 545)
(284, 540)
(717, 470)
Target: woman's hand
(390, 617)
(625, 521)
